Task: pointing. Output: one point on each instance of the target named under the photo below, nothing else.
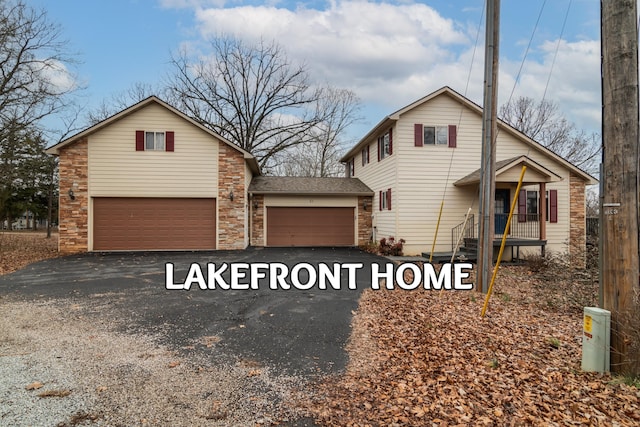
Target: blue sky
(389, 52)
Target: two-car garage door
(310, 226)
(124, 223)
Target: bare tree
(320, 155)
(543, 122)
(34, 66)
(120, 101)
(250, 94)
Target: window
(385, 200)
(365, 155)
(529, 206)
(385, 145)
(532, 204)
(350, 169)
(154, 141)
(436, 135)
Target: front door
(501, 210)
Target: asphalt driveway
(293, 331)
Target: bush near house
(386, 247)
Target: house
(427, 154)
(151, 178)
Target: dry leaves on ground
(19, 249)
(427, 358)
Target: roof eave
(308, 193)
(387, 121)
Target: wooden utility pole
(619, 229)
(486, 224)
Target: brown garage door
(310, 226)
(124, 223)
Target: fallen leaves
(19, 249)
(55, 393)
(423, 355)
(34, 386)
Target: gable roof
(390, 120)
(55, 149)
(305, 185)
(503, 166)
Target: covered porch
(528, 226)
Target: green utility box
(596, 339)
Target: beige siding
(380, 176)
(421, 177)
(117, 169)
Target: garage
(310, 226)
(127, 223)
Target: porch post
(542, 218)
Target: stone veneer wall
(577, 220)
(257, 220)
(231, 214)
(74, 214)
(365, 221)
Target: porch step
(466, 254)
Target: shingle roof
(474, 177)
(304, 185)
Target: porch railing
(467, 231)
(522, 227)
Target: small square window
(154, 141)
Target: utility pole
(619, 228)
(486, 224)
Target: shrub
(390, 246)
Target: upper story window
(350, 169)
(435, 135)
(154, 140)
(365, 155)
(385, 145)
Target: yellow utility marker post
(504, 241)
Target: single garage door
(325, 226)
(125, 223)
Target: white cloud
(57, 76)
(574, 83)
(355, 44)
(392, 54)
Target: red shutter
(453, 136)
(418, 135)
(368, 156)
(139, 140)
(553, 205)
(169, 142)
(379, 147)
(522, 206)
(380, 200)
(390, 142)
(389, 199)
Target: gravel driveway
(104, 343)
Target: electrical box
(596, 339)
